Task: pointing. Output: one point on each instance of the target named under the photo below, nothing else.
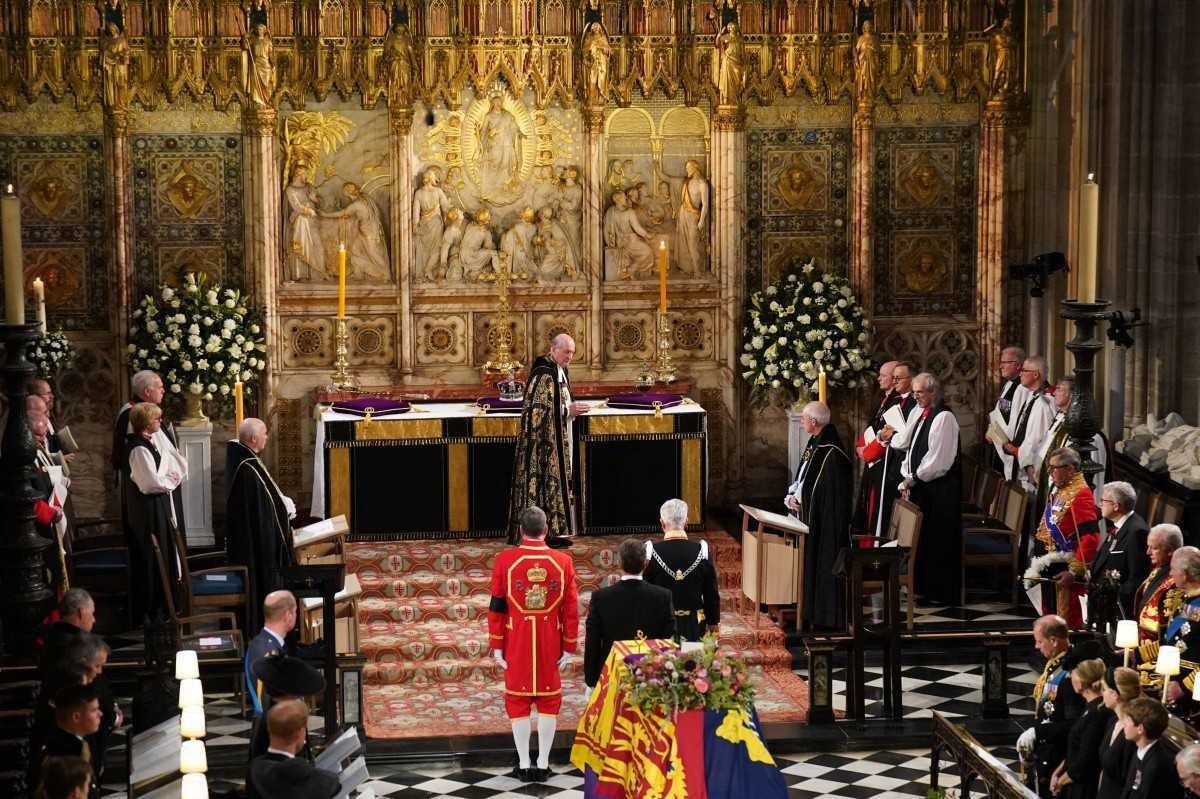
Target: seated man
(1151, 772)
(279, 773)
(1057, 705)
(624, 611)
(684, 568)
(76, 717)
(65, 777)
(279, 614)
(283, 677)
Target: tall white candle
(1089, 229)
(39, 299)
(14, 278)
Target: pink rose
(701, 685)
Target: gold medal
(679, 574)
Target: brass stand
(342, 379)
(664, 368)
(500, 337)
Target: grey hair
(1039, 363)
(1171, 535)
(143, 380)
(533, 521)
(250, 428)
(930, 383)
(1189, 759)
(1067, 456)
(74, 601)
(88, 646)
(560, 341)
(1187, 560)
(1014, 351)
(818, 412)
(1121, 493)
(674, 513)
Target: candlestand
(500, 337)
(1082, 421)
(664, 367)
(24, 596)
(342, 380)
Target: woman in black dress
(1078, 776)
(1121, 686)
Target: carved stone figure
(730, 65)
(477, 250)
(545, 188)
(449, 264)
(624, 234)
(114, 59)
(517, 243)
(925, 274)
(692, 222)
(397, 64)
(570, 202)
(1003, 50)
(867, 63)
(306, 254)
(366, 247)
(429, 204)
(258, 67)
(500, 146)
(596, 52)
(556, 256)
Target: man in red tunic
(533, 624)
(1068, 537)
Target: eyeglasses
(1028, 371)
(1054, 466)
(1008, 363)
(1109, 501)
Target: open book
(895, 417)
(996, 432)
(317, 532)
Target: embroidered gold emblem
(536, 575)
(679, 574)
(535, 597)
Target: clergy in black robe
(258, 533)
(931, 478)
(867, 506)
(1008, 405)
(821, 498)
(542, 462)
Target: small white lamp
(1167, 666)
(191, 722)
(192, 757)
(195, 786)
(187, 666)
(1127, 637)
(191, 693)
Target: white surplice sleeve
(943, 448)
(1041, 419)
(148, 479)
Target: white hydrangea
(818, 287)
(756, 342)
(167, 293)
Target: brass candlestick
(500, 337)
(664, 368)
(342, 380)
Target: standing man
(1056, 437)
(624, 611)
(1068, 535)
(542, 463)
(930, 477)
(872, 454)
(820, 497)
(684, 568)
(1012, 397)
(1183, 631)
(257, 515)
(1124, 546)
(1031, 425)
(533, 624)
(1157, 598)
(902, 379)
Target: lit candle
(822, 387)
(39, 299)
(14, 278)
(662, 277)
(341, 281)
(1089, 228)
(238, 412)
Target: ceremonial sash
(1050, 691)
(1175, 625)
(1060, 541)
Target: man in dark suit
(1123, 548)
(684, 568)
(1152, 769)
(283, 677)
(619, 612)
(279, 772)
(76, 616)
(279, 617)
(77, 716)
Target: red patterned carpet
(423, 629)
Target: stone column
(117, 215)
(263, 244)
(728, 258)
(862, 206)
(399, 150)
(593, 234)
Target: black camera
(1039, 270)
(1121, 325)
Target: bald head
(562, 349)
(885, 375)
(35, 405)
(253, 433)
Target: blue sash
(1060, 541)
(1181, 618)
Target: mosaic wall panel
(441, 339)
(306, 341)
(60, 182)
(797, 200)
(187, 199)
(629, 335)
(372, 341)
(924, 226)
(548, 325)
(694, 334)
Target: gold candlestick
(342, 379)
(664, 368)
(500, 337)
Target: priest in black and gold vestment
(542, 464)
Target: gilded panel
(59, 181)
(487, 337)
(372, 341)
(797, 190)
(924, 224)
(548, 325)
(307, 341)
(440, 339)
(629, 335)
(187, 202)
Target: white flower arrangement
(1043, 562)
(830, 333)
(51, 354)
(192, 356)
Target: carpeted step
(471, 579)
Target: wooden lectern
(773, 560)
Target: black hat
(283, 675)
(1087, 649)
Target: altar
(444, 469)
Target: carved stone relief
(372, 341)
(629, 335)
(441, 339)
(307, 342)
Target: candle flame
(341, 246)
(9, 189)
(1091, 177)
(662, 245)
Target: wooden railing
(974, 762)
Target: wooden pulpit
(773, 560)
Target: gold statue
(730, 66)
(596, 51)
(114, 59)
(398, 64)
(867, 63)
(1003, 48)
(258, 69)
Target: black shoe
(522, 774)
(540, 774)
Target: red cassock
(533, 617)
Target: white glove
(1026, 743)
(498, 654)
(562, 661)
(587, 692)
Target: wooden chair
(970, 470)
(985, 493)
(98, 560)
(222, 587)
(1165, 509)
(904, 528)
(214, 640)
(997, 542)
